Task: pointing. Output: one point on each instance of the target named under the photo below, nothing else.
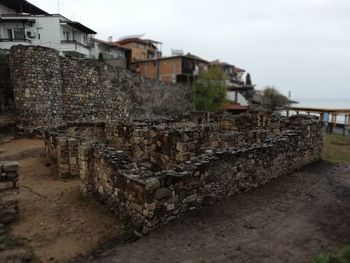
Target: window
(66, 35)
(16, 33)
(9, 34)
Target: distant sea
(325, 103)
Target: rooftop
(22, 6)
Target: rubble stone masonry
(148, 198)
(9, 188)
(51, 91)
(152, 171)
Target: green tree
(273, 99)
(248, 80)
(210, 90)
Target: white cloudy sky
(297, 45)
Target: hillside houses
(22, 23)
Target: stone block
(170, 207)
(162, 193)
(7, 186)
(152, 184)
(9, 166)
(8, 215)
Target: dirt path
(54, 220)
(288, 220)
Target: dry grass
(336, 149)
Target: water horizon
(323, 103)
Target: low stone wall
(169, 142)
(147, 198)
(62, 145)
(9, 190)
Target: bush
(210, 90)
(273, 99)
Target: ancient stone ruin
(134, 147)
(151, 172)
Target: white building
(23, 23)
(110, 52)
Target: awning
(80, 27)
(17, 20)
(22, 6)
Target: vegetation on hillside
(273, 99)
(210, 90)
(336, 149)
(342, 257)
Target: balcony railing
(15, 40)
(74, 42)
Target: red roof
(138, 40)
(218, 62)
(238, 70)
(236, 107)
(110, 44)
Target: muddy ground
(55, 222)
(290, 219)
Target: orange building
(142, 49)
(175, 69)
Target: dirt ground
(55, 222)
(290, 219)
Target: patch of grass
(336, 149)
(342, 257)
(8, 241)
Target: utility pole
(289, 102)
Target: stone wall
(167, 144)
(35, 73)
(9, 190)
(148, 198)
(62, 145)
(51, 91)
(6, 88)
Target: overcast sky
(302, 46)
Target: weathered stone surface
(162, 193)
(152, 184)
(245, 158)
(8, 192)
(50, 90)
(9, 167)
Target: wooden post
(321, 116)
(346, 119)
(335, 120)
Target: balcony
(7, 43)
(15, 40)
(74, 48)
